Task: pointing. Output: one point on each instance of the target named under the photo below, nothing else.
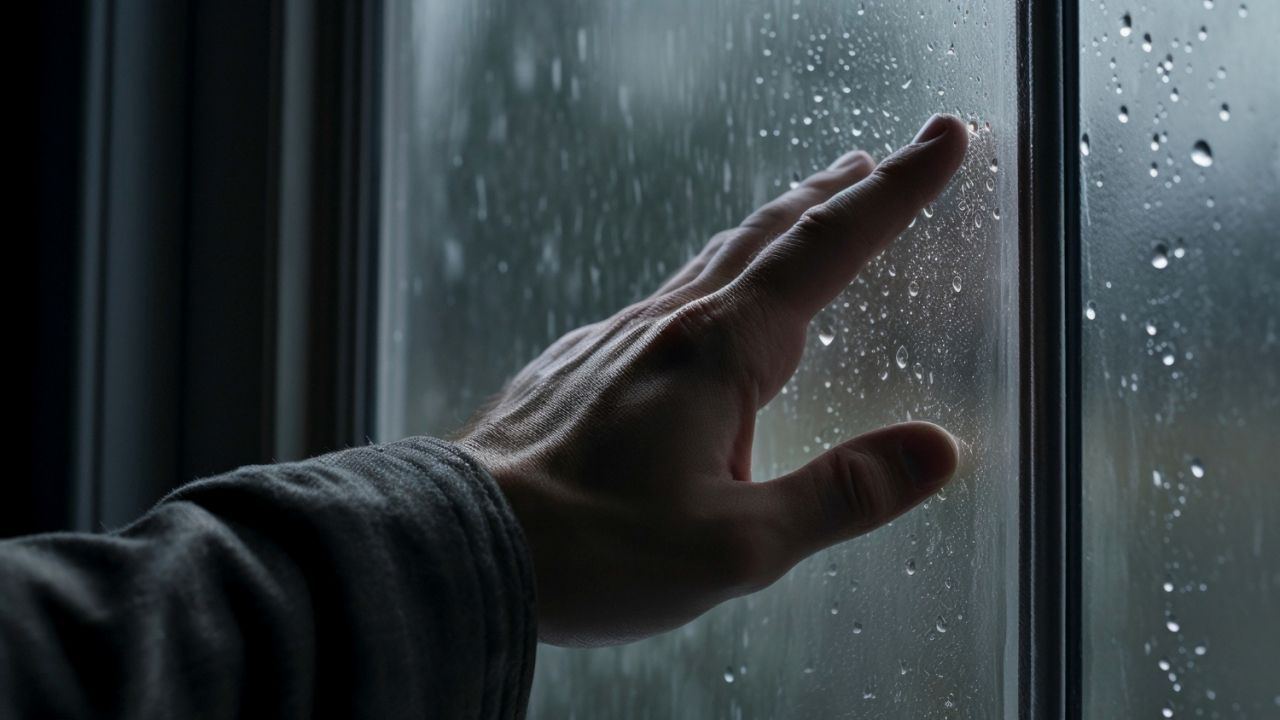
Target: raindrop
(1224, 114)
(1126, 25)
(941, 625)
(1168, 359)
(831, 570)
(1160, 256)
(826, 336)
(1167, 712)
(913, 288)
(1124, 114)
(868, 694)
(995, 165)
(728, 675)
(1084, 144)
(1203, 34)
(1155, 170)
(955, 283)
(911, 566)
(1164, 665)
(901, 357)
(857, 629)
(1201, 154)
(1172, 624)
(1174, 96)
(1243, 11)
(1146, 42)
(835, 608)
(1091, 310)
(1197, 468)
(1168, 586)
(1151, 328)
(1200, 649)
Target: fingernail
(847, 160)
(927, 462)
(936, 127)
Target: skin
(625, 449)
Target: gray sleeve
(385, 581)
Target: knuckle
(898, 174)
(862, 485)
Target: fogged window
(549, 162)
(1180, 220)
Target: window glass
(1180, 200)
(549, 161)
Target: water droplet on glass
(1197, 468)
(1091, 310)
(913, 288)
(995, 165)
(941, 624)
(1168, 359)
(835, 608)
(868, 694)
(857, 628)
(918, 369)
(1167, 586)
(1243, 11)
(955, 283)
(911, 566)
(728, 675)
(1151, 328)
(826, 336)
(1201, 154)
(831, 570)
(1124, 114)
(1164, 665)
(1126, 25)
(1146, 42)
(1155, 170)
(1160, 256)
(1200, 649)
(1084, 144)
(901, 357)
(1167, 712)
(1224, 113)
(1172, 624)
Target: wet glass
(1180, 223)
(547, 162)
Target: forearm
(382, 581)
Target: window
(1180, 194)
(550, 162)
(545, 163)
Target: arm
(385, 581)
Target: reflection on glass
(1180, 222)
(549, 161)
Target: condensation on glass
(1180, 223)
(549, 161)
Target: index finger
(806, 268)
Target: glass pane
(1181, 195)
(549, 162)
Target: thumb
(861, 484)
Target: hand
(625, 449)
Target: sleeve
(385, 581)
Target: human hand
(625, 449)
